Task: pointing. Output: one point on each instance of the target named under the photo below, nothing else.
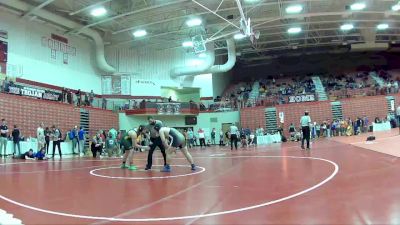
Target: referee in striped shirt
(305, 122)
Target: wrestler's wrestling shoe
(132, 167)
(124, 166)
(166, 168)
(193, 167)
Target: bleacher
(276, 91)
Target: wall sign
(60, 44)
(116, 85)
(301, 98)
(144, 82)
(33, 92)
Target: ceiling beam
(262, 21)
(299, 46)
(32, 11)
(299, 39)
(216, 14)
(260, 29)
(332, 36)
(203, 13)
(132, 13)
(88, 7)
(186, 16)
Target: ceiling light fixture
(346, 27)
(194, 22)
(294, 30)
(358, 6)
(239, 36)
(187, 44)
(98, 12)
(140, 33)
(294, 9)
(396, 7)
(382, 26)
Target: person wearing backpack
(57, 138)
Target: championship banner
(59, 44)
(301, 98)
(33, 92)
(116, 85)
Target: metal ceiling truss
(164, 21)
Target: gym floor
(340, 181)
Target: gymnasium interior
(88, 88)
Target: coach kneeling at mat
(155, 142)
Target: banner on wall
(301, 98)
(3, 51)
(116, 85)
(59, 45)
(106, 87)
(33, 92)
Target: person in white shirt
(233, 131)
(251, 139)
(221, 138)
(305, 122)
(202, 138)
(40, 136)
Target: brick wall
(252, 117)
(373, 106)
(102, 120)
(28, 113)
(319, 111)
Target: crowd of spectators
(340, 127)
(104, 142)
(359, 84)
(271, 91)
(275, 90)
(391, 83)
